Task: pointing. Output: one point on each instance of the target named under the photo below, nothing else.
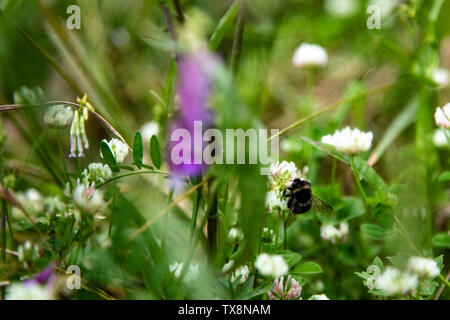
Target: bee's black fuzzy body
(300, 196)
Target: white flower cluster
(394, 282)
(329, 232)
(349, 141)
(281, 174)
(441, 77)
(87, 198)
(96, 173)
(27, 253)
(118, 149)
(58, 116)
(310, 55)
(342, 8)
(319, 297)
(271, 265)
(235, 234)
(267, 235)
(29, 291)
(240, 273)
(442, 116)
(192, 273)
(285, 290)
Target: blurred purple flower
(46, 276)
(193, 90)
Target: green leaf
(138, 151)
(308, 267)
(154, 152)
(353, 207)
(224, 24)
(377, 262)
(108, 156)
(445, 177)
(441, 240)
(291, 258)
(373, 230)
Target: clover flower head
(319, 297)
(285, 290)
(349, 141)
(58, 116)
(85, 197)
(310, 55)
(341, 8)
(271, 265)
(96, 173)
(442, 116)
(441, 77)
(394, 282)
(118, 149)
(240, 273)
(329, 232)
(275, 200)
(423, 267)
(29, 291)
(440, 139)
(281, 174)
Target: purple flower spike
(46, 276)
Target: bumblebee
(301, 199)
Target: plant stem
(443, 280)
(195, 208)
(180, 15)
(237, 41)
(333, 171)
(358, 182)
(3, 220)
(212, 226)
(285, 231)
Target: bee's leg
(285, 194)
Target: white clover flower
(393, 282)
(440, 138)
(386, 6)
(341, 8)
(149, 129)
(289, 290)
(87, 198)
(97, 173)
(118, 149)
(423, 267)
(329, 232)
(31, 199)
(319, 297)
(349, 141)
(58, 116)
(275, 200)
(28, 291)
(235, 234)
(271, 265)
(281, 174)
(442, 116)
(310, 55)
(192, 273)
(441, 77)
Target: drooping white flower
(275, 200)
(29, 291)
(240, 273)
(441, 77)
(27, 253)
(386, 6)
(423, 267)
(442, 116)
(271, 265)
(87, 198)
(349, 141)
(319, 297)
(176, 268)
(97, 173)
(149, 129)
(118, 149)
(341, 8)
(58, 116)
(440, 138)
(192, 273)
(310, 55)
(329, 232)
(235, 234)
(394, 282)
(285, 290)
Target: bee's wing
(321, 205)
(290, 219)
